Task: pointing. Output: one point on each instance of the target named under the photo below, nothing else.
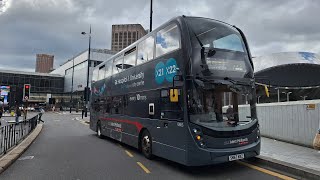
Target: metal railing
(13, 134)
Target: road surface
(67, 149)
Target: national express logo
(165, 71)
(100, 91)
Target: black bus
(175, 93)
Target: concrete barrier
(296, 122)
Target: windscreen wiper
(238, 82)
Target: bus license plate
(236, 157)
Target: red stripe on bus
(137, 124)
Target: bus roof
(178, 18)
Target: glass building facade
(41, 85)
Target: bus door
(114, 126)
(171, 127)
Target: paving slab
(298, 160)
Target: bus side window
(108, 69)
(95, 75)
(125, 104)
(108, 104)
(167, 40)
(117, 105)
(117, 65)
(101, 72)
(129, 58)
(145, 50)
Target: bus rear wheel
(146, 144)
(99, 133)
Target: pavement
(68, 149)
(14, 154)
(290, 157)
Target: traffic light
(26, 91)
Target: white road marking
(26, 158)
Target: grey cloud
(51, 26)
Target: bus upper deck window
(117, 65)
(129, 58)
(167, 40)
(145, 50)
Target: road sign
(26, 98)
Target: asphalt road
(68, 149)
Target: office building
(74, 71)
(76, 68)
(44, 63)
(41, 84)
(125, 34)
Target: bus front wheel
(146, 144)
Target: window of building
(129, 58)
(120, 36)
(116, 37)
(145, 50)
(101, 72)
(134, 35)
(167, 40)
(96, 63)
(117, 65)
(95, 75)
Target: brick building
(125, 34)
(44, 63)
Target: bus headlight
(197, 134)
(196, 131)
(202, 144)
(198, 137)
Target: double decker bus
(175, 93)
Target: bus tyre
(99, 134)
(146, 144)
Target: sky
(28, 27)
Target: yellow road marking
(144, 168)
(129, 153)
(266, 171)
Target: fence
(295, 122)
(13, 134)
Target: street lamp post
(259, 99)
(151, 11)
(304, 97)
(72, 84)
(278, 91)
(288, 94)
(87, 87)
